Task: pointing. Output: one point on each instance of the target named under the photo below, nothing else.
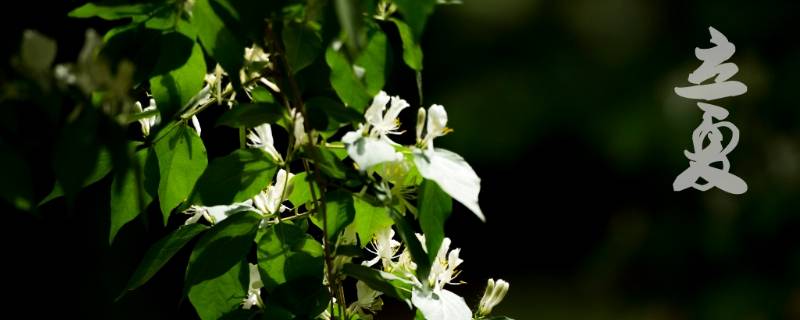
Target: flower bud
(420, 123)
(494, 294)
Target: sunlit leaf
(235, 178)
(181, 161)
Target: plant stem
(294, 102)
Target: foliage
(315, 69)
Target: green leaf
(302, 44)
(164, 18)
(384, 282)
(326, 114)
(329, 163)
(136, 44)
(101, 169)
(412, 53)
(416, 13)
(349, 16)
(339, 213)
(128, 195)
(235, 178)
(37, 52)
(373, 60)
(344, 81)
(181, 161)
(222, 247)
(301, 190)
(286, 253)
(406, 232)
(220, 42)
(369, 219)
(262, 95)
(15, 186)
(181, 69)
(246, 18)
(159, 254)
(434, 207)
(274, 311)
(499, 318)
(305, 297)
(250, 115)
(77, 153)
(216, 297)
(113, 12)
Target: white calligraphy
(707, 139)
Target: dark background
(566, 110)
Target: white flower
(383, 124)
(269, 201)
(368, 299)
(196, 124)
(255, 54)
(449, 170)
(441, 305)
(384, 247)
(261, 137)
(254, 289)
(437, 123)
(437, 302)
(300, 135)
(494, 294)
(443, 267)
(368, 151)
(370, 145)
(215, 214)
(149, 122)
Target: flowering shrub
(281, 223)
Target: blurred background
(566, 110)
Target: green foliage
(174, 87)
(226, 47)
(302, 44)
(343, 79)
(415, 13)
(326, 114)
(378, 280)
(369, 219)
(301, 193)
(101, 169)
(113, 12)
(434, 207)
(412, 53)
(406, 232)
(329, 163)
(291, 264)
(339, 213)
(128, 194)
(181, 161)
(159, 254)
(249, 115)
(265, 68)
(234, 178)
(286, 253)
(222, 248)
(221, 295)
(77, 161)
(374, 60)
(15, 186)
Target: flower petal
(440, 305)
(453, 174)
(368, 151)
